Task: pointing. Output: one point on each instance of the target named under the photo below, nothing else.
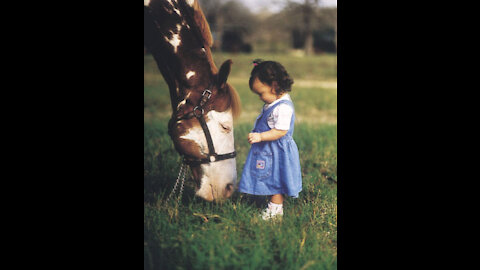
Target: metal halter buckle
(195, 111)
(209, 93)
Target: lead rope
(182, 175)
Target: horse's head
(179, 38)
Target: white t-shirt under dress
(282, 114)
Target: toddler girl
(273, 165)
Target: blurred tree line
(301, 25)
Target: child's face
(264, 91)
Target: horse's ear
(223, 73)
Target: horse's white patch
(177, 11)
(190, 74)
(174, 41)
(184, 23)
(216, 175)
(146, 2)
(190, 2)
(222, 142)
(203, 49)
(173, 7)
(196, 135)
(215, 178)
(181, 103)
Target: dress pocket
(261, 166)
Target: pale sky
(270, 5)
(273, 6)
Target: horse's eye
(225, 127)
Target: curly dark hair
(270, 71)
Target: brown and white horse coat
(178, 36)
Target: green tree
(230, 16)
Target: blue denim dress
(272, 167)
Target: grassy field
(200, 235)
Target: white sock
(275, 207)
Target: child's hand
(254, 138)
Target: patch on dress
(261, 164)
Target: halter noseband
(198, 113)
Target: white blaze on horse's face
(190, 2)
(218, 178)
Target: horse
(204, 105)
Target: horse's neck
(200, 30)
(169, 78)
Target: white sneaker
(272, 211)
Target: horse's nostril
(229, 187)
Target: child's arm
(271, 135)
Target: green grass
(200, 235)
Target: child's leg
(277, 198)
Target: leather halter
(198, 113)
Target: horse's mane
(204, 28)
(234, 101)
(202, 24)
